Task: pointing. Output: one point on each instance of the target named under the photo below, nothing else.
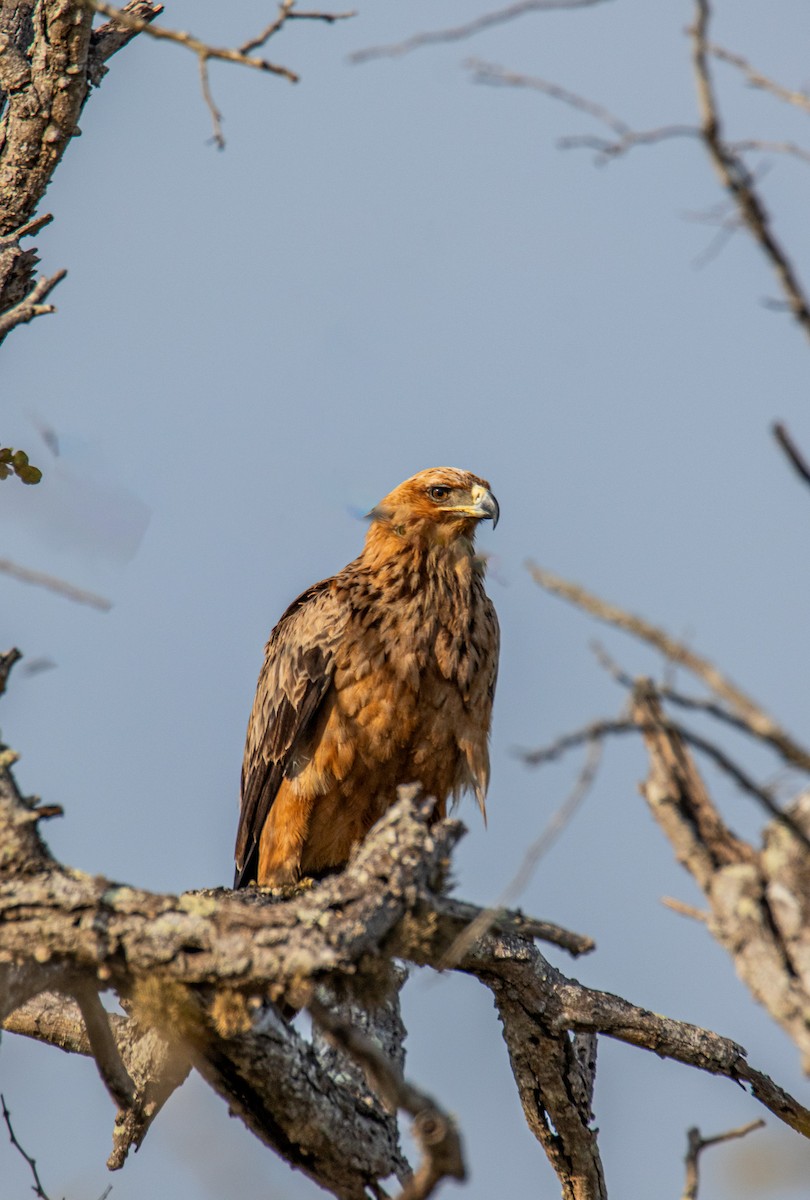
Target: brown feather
(382, 675)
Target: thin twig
(792, 451)
(194, 44)
(104, 1049)
(37, 1187)
(516, 922)
(53, 584)
(203, 50)
(697, 1143)
(758, 721)
(434, 1130)
(762, 146)
(458, 33)
(665, 691)
(31, 227)
(685, 910)
(107, 39)
(31, 305)
(758, 80)
(484, 72)
(735, 176)
(626, 138)
(7, 661)
(601, 729)
(286, 12)
(536, 851)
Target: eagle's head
(439, 505)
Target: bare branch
(599, 730)
(685, 910)
(757, 79)
(53, 584)
(37, 1187)
(536, 851)
(106, 40)
(200, 969)
(459, 32)
(287, 12)
(455, 916)
(761, 146)
(434, 1130)
(32, 306)
(734, 175)
(127, 19)
(697, 704)
(626, 138)
(156, 1066)
(791, 450)
(696, 1143)
(202, 49)
(103, 1048)
(758, 901)
(757, 720)
(7, 661)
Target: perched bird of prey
(379, 676)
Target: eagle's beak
(484, 505)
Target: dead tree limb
(208, 976)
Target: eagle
(382, 675)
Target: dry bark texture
(758, 897)
(50, 57)
(759, 900)
(208, 980)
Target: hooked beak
(484, 505)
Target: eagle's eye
(439, 492)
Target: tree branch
(469, 29)
(434, 1130)
(205, 971)
(53, 584)
(757, 80)
(37, 1187)
(758, 721)
(759, 902)
(734, 175)
(791, 450)
(32, 306)
(696, 1144)
(128, 19)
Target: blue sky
(389, 268)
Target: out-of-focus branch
(7, 660)
(758, 900)
(696, 1144)
(538, 848)
(458, 33)
(598, 730)
(156, 1066)
(757, 79)
(53, 584)
(794, 455)
(758, 721)
(625, 138)
(103, 1047)
(735, 176)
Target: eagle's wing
(297, 673)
